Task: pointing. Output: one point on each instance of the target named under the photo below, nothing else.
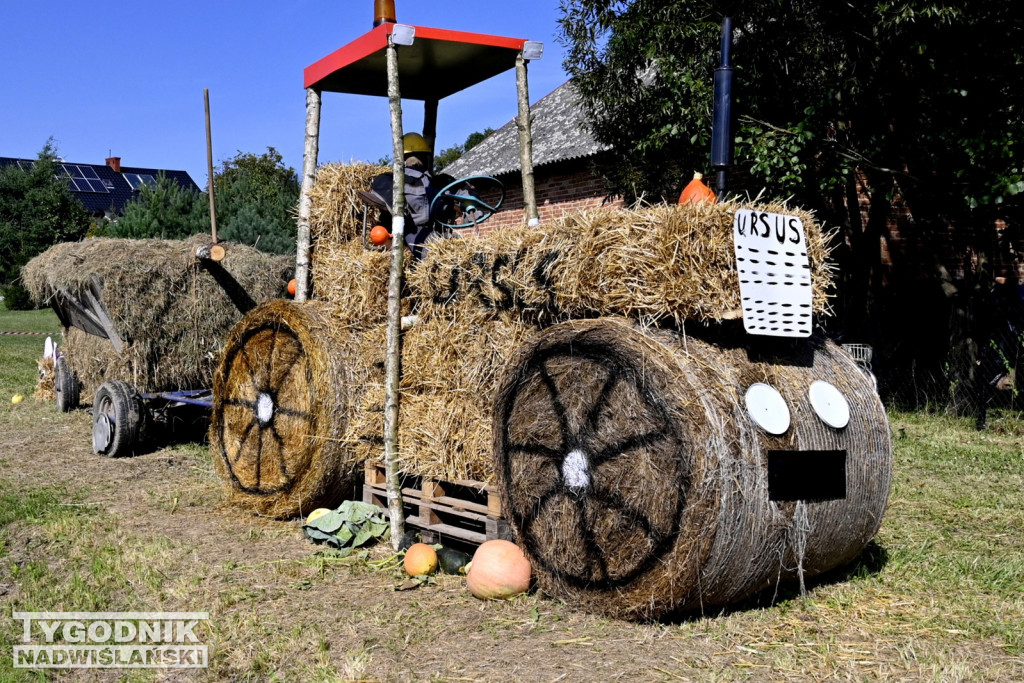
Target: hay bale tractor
(143, 325)
(592, 378)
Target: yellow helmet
(414, 142)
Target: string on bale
(171, 310)
(638, 484)
(283, 397)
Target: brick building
(563, 155)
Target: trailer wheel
(65, 384)
(116, 419)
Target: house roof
(560, 133)
(102, 189)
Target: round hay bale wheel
(637, 483)
(277, 411)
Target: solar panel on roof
(83, 178)
(137, 180)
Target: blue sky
(127, 78)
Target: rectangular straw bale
(355, 278)
(660, 263)
(451, 360)
(336, 213)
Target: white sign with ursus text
(774, 272)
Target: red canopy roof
(437, 64)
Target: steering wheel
(474, 210)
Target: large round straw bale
(280, 395)
(638, 484)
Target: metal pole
(393, 370)
(209, 166)
(721, 127)
(526, 143)
(309, 161)
(430, 126)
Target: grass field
(18, 353)
(938, 596)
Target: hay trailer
(643, 390)
(119, 410)
(143, 323)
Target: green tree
(256, 198)
(448, 156)
(165, 211)
(891, 88)
(37, 210)
(922, 97)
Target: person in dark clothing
(421, 188)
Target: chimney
(383, 12)
(114, 163)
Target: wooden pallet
(466, 510)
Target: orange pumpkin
(379, 235)
(292, 284)
(499, 571)
(420, 559)
(696, 192)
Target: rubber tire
(121, 404)
(65, 385)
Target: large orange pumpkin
(499, 571)
(420, 559)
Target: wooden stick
(309, 161)
(526, 143)
(211, 252)
(394, 360)
(209, 166)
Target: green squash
(452, 561)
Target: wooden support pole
(393, 368)
(209, 167)
(309, 161)
(526, 143)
